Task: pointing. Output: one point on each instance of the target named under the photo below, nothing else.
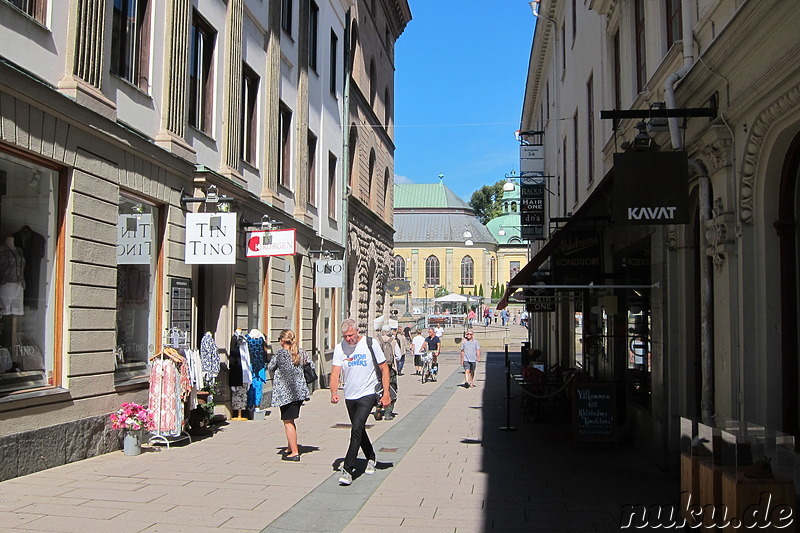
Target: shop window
(137, 253)
(130, 41)
(28, 223)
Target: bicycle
(430, 368)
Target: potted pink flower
(132, 418)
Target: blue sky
(459, 86)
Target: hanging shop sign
(532, 192)
(134, 239)
(210, 239)
(329, 273)
(531, 160)
(398, 287)
(651, 188)
(578, 258)
(268, 243)
(541, 300)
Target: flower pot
(202, 397)
(132, 441)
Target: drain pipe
(704, 206)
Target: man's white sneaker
(370, 467)
(345, 477)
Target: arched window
(387, 109)
(399, 267)
(467, 271)
(373, 80)
(386, 185)
(513, 207)
(352, 156)
(432, 271)
(371, 176)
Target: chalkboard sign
(594, 412)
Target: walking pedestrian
(391, 350)
(487, 316)
(417, 343)
(471, 317)
(504, 317)
(352, 360)
(289, 389)
(470, 356)
(404, 341)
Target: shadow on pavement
(538, 481)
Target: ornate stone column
(231, 147)
(84, 57)
(176, 80)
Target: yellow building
(439, 245)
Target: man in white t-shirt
(417, 343)
(352, 360)
(439, 332)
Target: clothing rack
(176, 339)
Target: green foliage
(502, 291)
(440, 291)
(480, 290)
(487, 202)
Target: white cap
(386, 329)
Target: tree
(487, 202)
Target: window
(575, 152)
(36, 9)
(574, 20)
(137, 257)
(286, 16)
(285, 159)
(312, 169)
(513, 269)
(641, 61)
(28, 222)
(387, 109)
(249, 126)
(370, 176)
(467, 271)
(373, 89)
(130, 36)
(334, 59)
(201, 82)
(399, 267)
(617, 74)
(313, 35)
(590, 128)
(332, 197)
(674, 21)
(432, 271)
(386, 185)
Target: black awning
(579, 220)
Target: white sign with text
(270, 243)
(210, 238)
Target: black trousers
(359, 411)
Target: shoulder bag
(379, 386)
(309, 372)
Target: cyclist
(432, 346)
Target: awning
(578, 220)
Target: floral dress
(288, 383)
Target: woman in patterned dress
(289, 389)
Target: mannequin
(12, 278)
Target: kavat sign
(210, 239)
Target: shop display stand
(177, 339)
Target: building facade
(698, 317)
(375, 26)
(440, 245)
(133, 136)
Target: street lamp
(425, 305)
(508, 186)
(468, 237)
